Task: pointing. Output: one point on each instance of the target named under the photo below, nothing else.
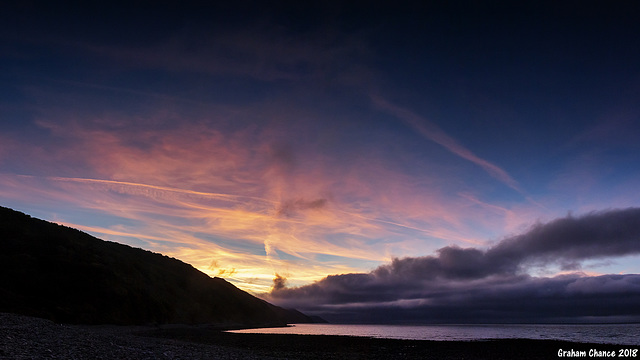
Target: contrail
(220, 196)
(240, 199)
(434, 133)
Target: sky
(448, 161)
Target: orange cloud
(248, 198)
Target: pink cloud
(182, 183)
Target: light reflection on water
(623, 334)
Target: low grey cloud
(492, 285)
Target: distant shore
(32, 338)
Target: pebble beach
(23, 337)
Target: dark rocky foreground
(24, 337)
(33, 338)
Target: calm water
(601, 333)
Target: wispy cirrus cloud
(196, 227)
(276, 177)
(226, 190)
(247, 142)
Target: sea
(619, 334)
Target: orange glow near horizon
(265, 187)
(244, 205)
(246, 239)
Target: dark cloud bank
(468, 285)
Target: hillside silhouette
(65, 275)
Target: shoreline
(596, 333)
(294, 346)
(32, 338)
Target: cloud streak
(474, 285)
(123, 184)
(249, 146)
(202, 181)
(433, 132)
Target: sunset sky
(308, 141)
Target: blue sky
(309, 141)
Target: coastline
(31, 338)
